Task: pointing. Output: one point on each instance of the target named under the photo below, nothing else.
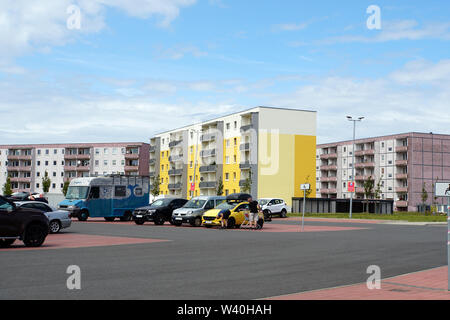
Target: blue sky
(139, 67)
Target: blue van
(108, 197)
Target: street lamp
(350, 118)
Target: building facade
(26, 164)
(403, 164)
(267, 152)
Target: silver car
(58, 219)
(194, 209)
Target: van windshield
(77, 193)
(195, 204)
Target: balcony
(19, 157)
(77, 168)
(77, 156)
(131, 168)
(22, 179)
(359, 190)
(401, 189)
(245, 147)
(401, 149)
(332, 191)
(327, 156)
(152, 161)
(401, 163)
(132, 156)
(208, 137)
(328, 179)
(401, 176)
(246, 128)
(175, 186)
(207, 185)
(176, 172)
(176, 158)
(365, 165)
(206, 169)
(245, 166)
(208, 153)
(332, 167)
(401, 204)
(152, 174)
(173, 144)
(19, 168)
(152, 149)
(369, 152)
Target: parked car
(58, 219)
(29, 225)
(19, 196)
(274, 206)
(237, 205)
(194, 209)
(159, 211)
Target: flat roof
(73, 145)
(231, 114)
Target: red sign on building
(351, 187)
(193, 186)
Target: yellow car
(238, 212)
(237, 216)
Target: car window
(94, 193)
(5, 205)
(272, 202)
(209, 205)
(243, 207)
(42, 207)
(219, 201)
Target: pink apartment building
(26, 164)
(403, 163)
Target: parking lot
(124, 261)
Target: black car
(28, 225)
(26, 196)
(159, 211)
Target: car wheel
(231, 223)
(54, 226)
(178, 224)
(267, 215)
(34, 235)
(159, 220)
(5, 243)
(83, 216)
(126, 217)
(197, 222)
(110, 219)
(283, 213)
(139, 222)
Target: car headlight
(71, 207)
(151, 211)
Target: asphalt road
(219, 264)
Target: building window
(37, 185)
(235, 141)
(228, 126)
(227, 176)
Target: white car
(274, 206)
(58, 219)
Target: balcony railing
(176, 158)
(245, 147)
(365, 165)
(331, 167)
(207, 185)
(327, 156)
(401, 163)
(152, 149)
(208, 137)
(208, 153)
(77, 156)
(328, 179)
(401, 149)
(19, 168)
(131, 168)
(365, 152)
(175, 186)
(77, 168)
(245, 166)
(173, 144)
(246, 128)
(19, 157)
(401, 176)
(401, 204)
(401, 189)
(132, 156)
(176, 172)
(210, 168)
(20, 179)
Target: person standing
(254, 212)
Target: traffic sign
(351, 187)
(193, 186)
(305, 186)
(442, 189)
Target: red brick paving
(63, 241)
(423, 285)
(369, 221)
(277, 227)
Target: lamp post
(349, 118)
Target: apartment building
(26, 164)
(267, 152)
(402, 163)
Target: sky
(124, 70)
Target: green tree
(46, 182)
(156, 183)
(65, 187)
(378, 191)
(308, 192)
(369, 185)
(247, 185)
(7, 189)
(424, 195)
(219, 190)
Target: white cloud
(289, 26)
(28, 26)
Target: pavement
(125, 261)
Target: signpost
(351, 187)
(442, 189)
(304, 187)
